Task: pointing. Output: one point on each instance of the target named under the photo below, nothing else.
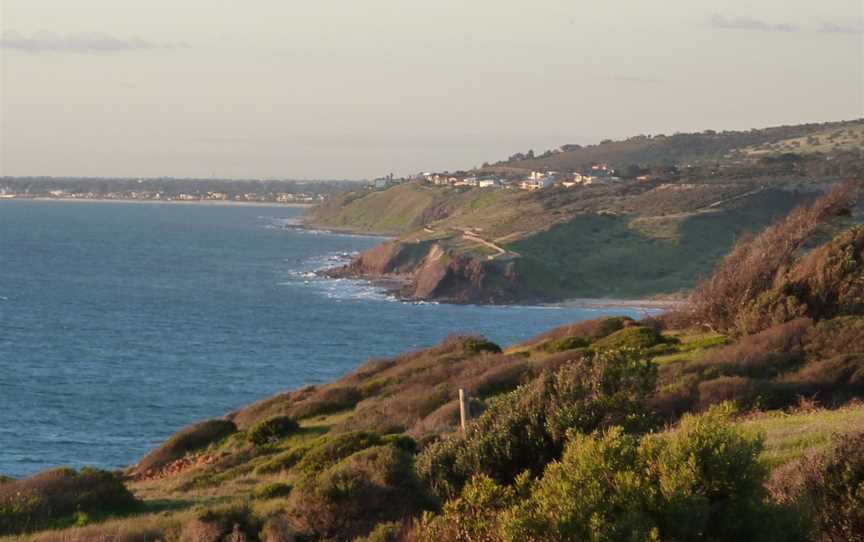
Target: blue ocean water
(122, 322)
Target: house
(535, 184)
(489, 183)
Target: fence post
(464, 408)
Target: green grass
(602, 256)
(789, 436)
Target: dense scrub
(60, 495)
(702, 481)
(526, 428)
(764, 282)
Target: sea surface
(122, 322)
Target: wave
(296, 224)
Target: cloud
(742, 23)
(93, 42)
(833, 28)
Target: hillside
(630, 239)
(679, 149)
(753, 432)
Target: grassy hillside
(348, 465)
(630, 238)
(694, 147)
(633, 256)
(830, 139)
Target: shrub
(273, 490)
(701, 481)
(631, 337)
(567, 343)
(403, 442)
(755, 265)
(272, 430)
(283, 461)
(834, 490)
(589, 330)
(524, 429)
(473, 345)
(214, 523)
(727, 388)
(327, 401)
(188, 439)
(844, 335)
(764, 354)
(330, 450)
(278, 529)
(597, 492)
(52, 495)
(838, 378)
(349, 498)
(473, 516)
(389, 531)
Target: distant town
(171, 189)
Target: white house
(535, 184)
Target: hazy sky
(358, 88)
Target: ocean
(123, 322)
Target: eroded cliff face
(425, 271)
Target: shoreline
(608, 303)
(169, 202)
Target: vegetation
(736, 418)
(272, 430)
(754, 286)
(61, 496)
(190, 438)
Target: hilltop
(740, 412)
(649, 231)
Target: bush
(45, 498)
(278, 529)
(729, 299)
(221, 522)
(349, 498)
(567, 343)
(474, 345)
(702, 481)
(327, 401)
(834, 490)
(631, 337)
(272, 430)
(188, 439)
(838, 379)
(597, 492)
(473, 516)
(764, 354)
(330, 450)
(390, 531)
(525, 429)
(589, 330)
(727, 388)
(284, 460)
(273, 490)
(709, 481)
(844, 335)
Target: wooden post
(464, 408)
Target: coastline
(604, 303)
(174, 202)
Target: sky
(357, 89)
